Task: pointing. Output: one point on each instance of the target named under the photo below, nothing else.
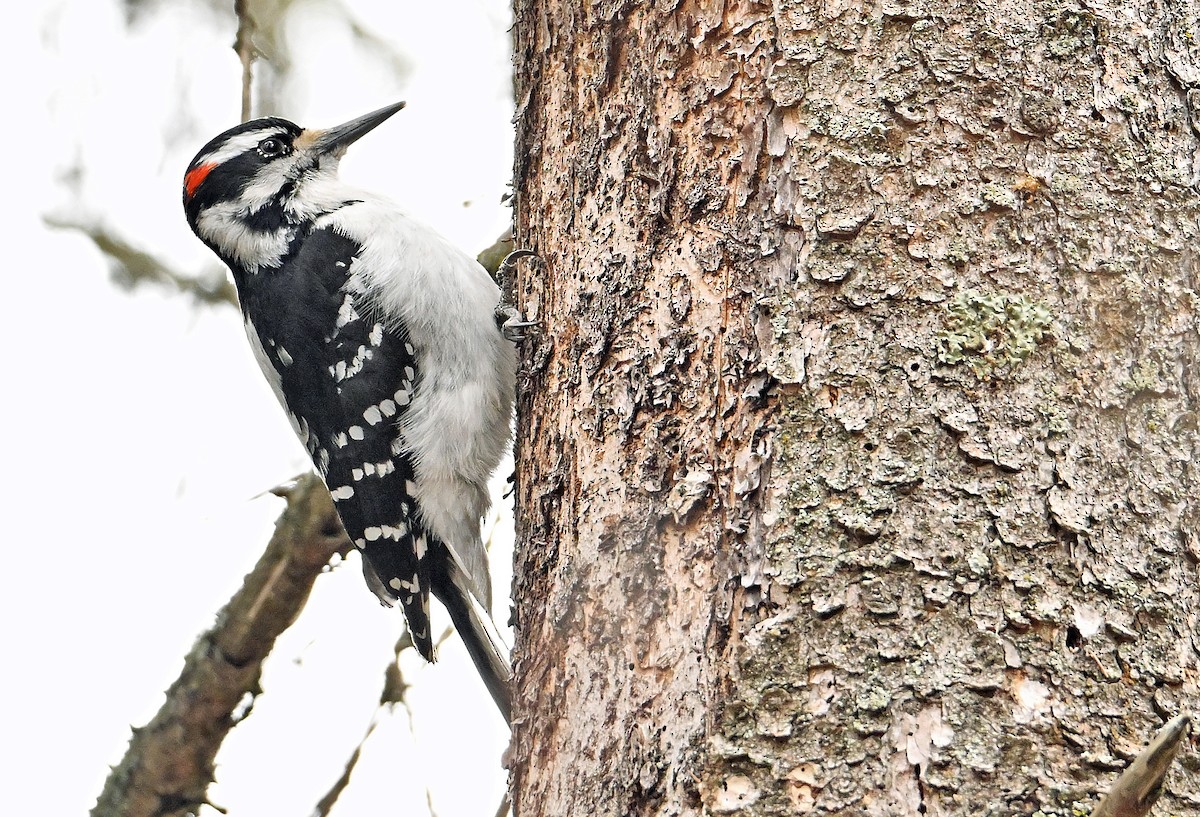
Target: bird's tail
(479, 635)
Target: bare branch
(243, 44)
(169, 764)
(326, 803)
(1138, 787)
(132, 267)
(394, 688)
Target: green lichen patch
(1069, 31)
(991, 333)
(999, 196)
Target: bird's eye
(272, 147)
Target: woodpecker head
(249, 189)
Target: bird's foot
(512, 323)
(504, 271)
(510, 320)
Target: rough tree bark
(856, 457)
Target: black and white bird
(380, 340)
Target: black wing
(347, 380)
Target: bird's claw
(512, 323)
(510, 320)
(511, 260)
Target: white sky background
(141, 434)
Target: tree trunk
(856, 452)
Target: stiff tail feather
(479, 635)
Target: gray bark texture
(857, 454)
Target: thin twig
(394, 689)
(326, 803)
(243, 44)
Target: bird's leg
(510, 320)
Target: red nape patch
(194, 178)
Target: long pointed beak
(336, 140)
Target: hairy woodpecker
(380, 340)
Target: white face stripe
(263, 188)
(223, 225)
(239, 145)
(266, 184)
